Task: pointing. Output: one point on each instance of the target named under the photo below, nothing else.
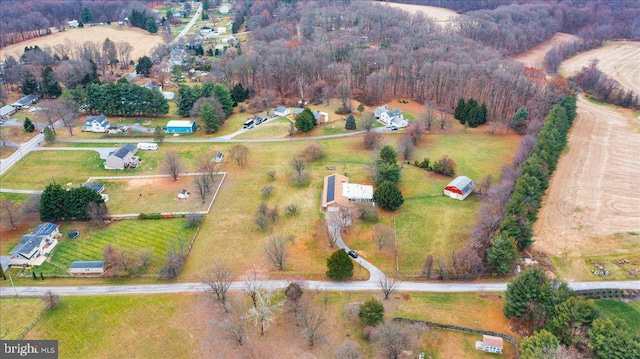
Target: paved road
(188, 27)
(23, 191)
(278, 284)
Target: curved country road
(280, 284)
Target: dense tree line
(604, 88)
(564, 322)
(143, 20)
(471, 113)
(23, 20)
(212, 102)
(121, 99)
(59, 203)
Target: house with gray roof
(7, 111)
(96, 124)
(25, 101)
(121, 158)
(391, 118)
(87, 267)
(35, 246)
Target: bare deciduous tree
(266, 191)
(4, 139)
(50, 300)
(485, 183)
(234, 328)
(98, 213)
(202, 183)
(271, 174)
(124, 51)
(348, 350)
(239, 154)
(394, 338)
(427, 267)
(342, 218)
(313, 152)
(172, 164)
(312, 322)
(291, 209)
(174, 259)
(406, 148)
(383, 235)
(372, 140)
(428, 115)
(387, 285)
(368, 121)
(276, 250)
(294, 293)
(416, 131)
(266, 311)
(444, 121)
(11, 212)
(218, 279)
(254, 283)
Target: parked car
(352, 254)
(393, 128)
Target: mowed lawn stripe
(132, 235)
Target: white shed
(87, 267)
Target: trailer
(148, 146)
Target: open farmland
(130, 234)
(143, 42)
(618, 59)
(180, 326)
(16, 314)
(439, 14)
(535, 56)
(593, 193)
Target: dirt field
(438, 13)
(142, 41)
(619, 59)
(593, 192)
(535, 56)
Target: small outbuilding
(121, 158)
(87, 267)
(460, 188)
(181, 126)
(7, 111)
(281, 111)
(490, 344)
(25, 101)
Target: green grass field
(16, 314)
(626, 312)
(130, 234)
(278, 128)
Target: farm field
(535, 56)
(153, 195)
(618, 59)
(16, 314)
(626, 312)
(129, 234)
(439, 14)
(591, 203)
(181, 326)
(143, 41)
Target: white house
(490, 344)
(231, 38)
(281, 111)
(35, 246)
(87, 267)
(121, 158)
(390, 118)
(73, 23)
(96, 124)
(337, 191)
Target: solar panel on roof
(331, 188)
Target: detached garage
(460, 188)
(181, 126)
(87, 267)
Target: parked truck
(148, 146)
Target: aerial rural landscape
(320, 179)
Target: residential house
(281, 111)
(35, 246)
(391, 118)
(7, 111)
(181, 126)
(460, 188)
(121, 158)
(73, 23)
(152, 85)
(337, 191)
(25, 102)
(321, 117)
(490, 344)
(297, 111)
(231, 38)
(87, 267)
(96, 124)
(205, 30)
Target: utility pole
(13, 286)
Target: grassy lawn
(16, 314)
(278, 128)
(17, 134)
(16, 198)
(180, 325)
(149, 195)
(120, 326)
(628, 313)
(130, 234)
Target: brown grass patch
(535, 56)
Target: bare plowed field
(142, 41)
(535, 56)
(438, 13)
(618, 59)
(594, 191)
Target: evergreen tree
(49, 135)
(572, 316)
(144, 66)
(76, 202)
(339, 265)
(519, 120)
(360, 108)
(238, 94)
(484, 114)
(86, 15)
(529, 297)
(28, 125)
(351, 123)
(209, 117)
(388, 196)
(611, 339)
(223, 95)
(371, 312)
(205, 16)
(158, 134)
(29, 83)
(185, 100)
(387, 168)
(501, 254)
(304, 121)
(388, 155)
(457, 114)
(52, 202)
(537, 345)
(50, 84)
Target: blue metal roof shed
(178, 126)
